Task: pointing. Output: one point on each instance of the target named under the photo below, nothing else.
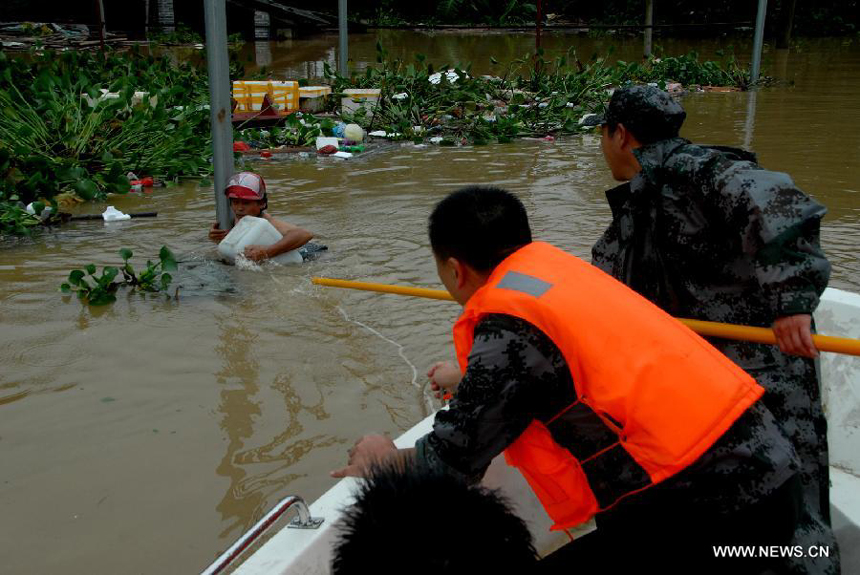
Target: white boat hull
(308, 552)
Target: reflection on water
(263, 53)
(153, 431)
(749, 125)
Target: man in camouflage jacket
(706, 233)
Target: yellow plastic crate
(313, 98)
(314, 91)
(249, 94)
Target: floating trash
(111, 214)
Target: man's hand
(256, 253)
(444, 378)
(370, 449)
(216, 234)
(794, 335)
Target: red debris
(265, 154)
(329, 149)
(239, 146)
(138, 185)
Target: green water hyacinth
(529, 97)
(79, 122)
(101, 289)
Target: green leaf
(125, 254)
(165, 280)
(91, 269)
(103, 298)
(87, 189)
(65, 288)
(110, 272)
(168, 260)
(76, 277)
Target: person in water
(608, 406)
(247, 194)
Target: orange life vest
(652, 396)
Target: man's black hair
(479, 226)
(407, 520)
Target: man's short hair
(479, 226)
(407, 520)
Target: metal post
(220, 114)
(649, 25)
(100, 8)
(343, 39)
(758, 41)
(537, 37)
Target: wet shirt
(517, 374)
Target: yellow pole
(385, 288)
(705, 328)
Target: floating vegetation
(75, 124)
(78, 122)
(101, 289)
(299, 131)
(529, 97)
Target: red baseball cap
(247, 186)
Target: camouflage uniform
(706, 233)
(517, 374)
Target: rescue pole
(844, 345)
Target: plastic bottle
(353, 132)
(254, 231)
(352, 149)
(338, 130)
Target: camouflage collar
(651, 157)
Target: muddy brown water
(145, 436)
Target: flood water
(143, 437)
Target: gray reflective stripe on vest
(524, 283)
